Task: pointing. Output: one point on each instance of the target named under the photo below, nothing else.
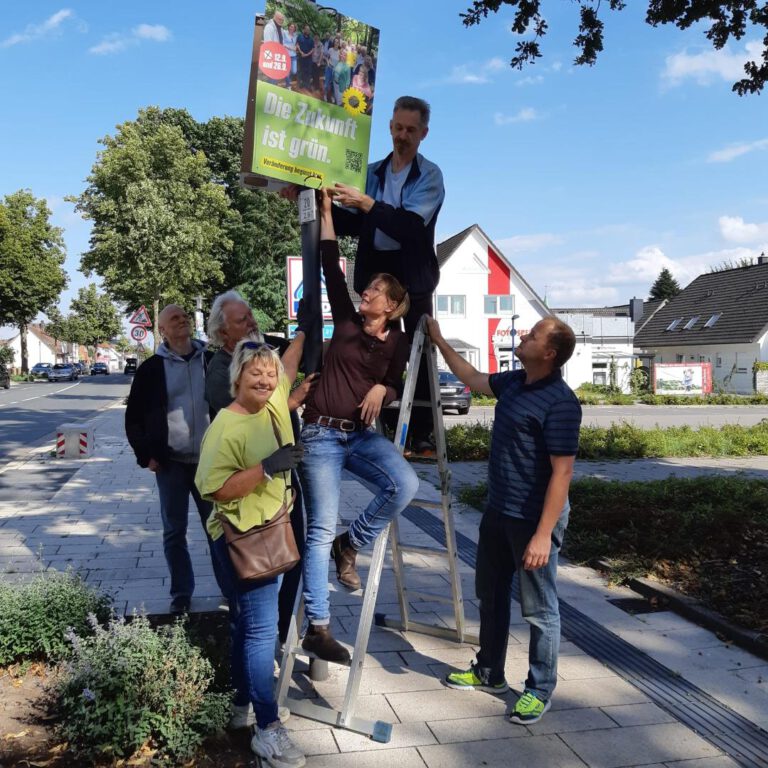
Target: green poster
(307, 141)
(311, 96)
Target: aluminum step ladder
(345, 717)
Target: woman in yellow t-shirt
(245, 458)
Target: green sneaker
(528, 709)
(470, 681)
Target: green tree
(31, 257)
(6, 355)
(160, 221)
(720, 22)
(124, 345)
(263, 227)
(665, 287)
(97, 314)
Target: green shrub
(479, 398)
(128, 686)
(468, 442)
(720, 398)
(34, 617)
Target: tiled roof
(447, 247)
(740, 298)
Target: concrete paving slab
(706, 762)
(450, 704)
(569, 720)
(476, 729)
(391, 758)
(581, 668)
(603, 692)
(403, 735)
(638, 714)
(539, 751)
(319, 741)
(639, 745)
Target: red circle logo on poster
(274, 61)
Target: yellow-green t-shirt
(237, 441)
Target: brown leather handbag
(267, 550)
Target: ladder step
(427, 504)
(429, 597)
(413, 549)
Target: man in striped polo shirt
(533, 447)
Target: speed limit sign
(138, 333)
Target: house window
(499, 305)
(712, 320)
(451, 306)
(506, 305)
(691, 323)
(679, 358)
(674, 324)
(718, 362)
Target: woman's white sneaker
(275, 746)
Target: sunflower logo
(353, 100)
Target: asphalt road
(30, 412)
(644, 416)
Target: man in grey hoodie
(165, 421)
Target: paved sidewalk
(105, 522)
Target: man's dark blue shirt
(531, 423)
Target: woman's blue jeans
(253, 624)
(500, 550)
(372, 458)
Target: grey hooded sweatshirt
(188, 416)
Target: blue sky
(590, 180)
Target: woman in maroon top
(361, 371)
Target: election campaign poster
(682, 378)
(310, 99)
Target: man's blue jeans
(500, 550)
(175, 482)
(372, 458)
(253, 625)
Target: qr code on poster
(354, 161)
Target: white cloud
(526, 243)
(583, 292)
(735, 230)
(36, 31)
(119, 41)
(733, 151)
(471, 73)
(156, 32)
(525, 115)
(529, 80)
(710, 65)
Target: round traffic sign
(138, 333)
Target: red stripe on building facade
(498, 285)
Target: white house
(41, 348)
(482, 301)
(720, 318)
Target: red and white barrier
(74, 441)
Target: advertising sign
(682, 378)
(295, 272)
(310, 98)
(327, 331)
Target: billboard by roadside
(682, 378)
(310, 98)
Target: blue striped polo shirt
(531, 423)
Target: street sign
(307, 206)
(138, 333)
(141, 317)
(295, 273)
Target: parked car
(83, 367)
(454, 393)
(5, 377)
(63, 372)
(98, 368)
(131, 364)
(40, 370)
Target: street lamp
(512, 333)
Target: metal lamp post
(513, 333)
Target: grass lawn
(706, 537)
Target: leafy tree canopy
(160, 222)
(721, 21)
(31, 258)
(97, 316)
(665, 287)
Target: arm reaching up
(474, 379)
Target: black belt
(345, 425)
